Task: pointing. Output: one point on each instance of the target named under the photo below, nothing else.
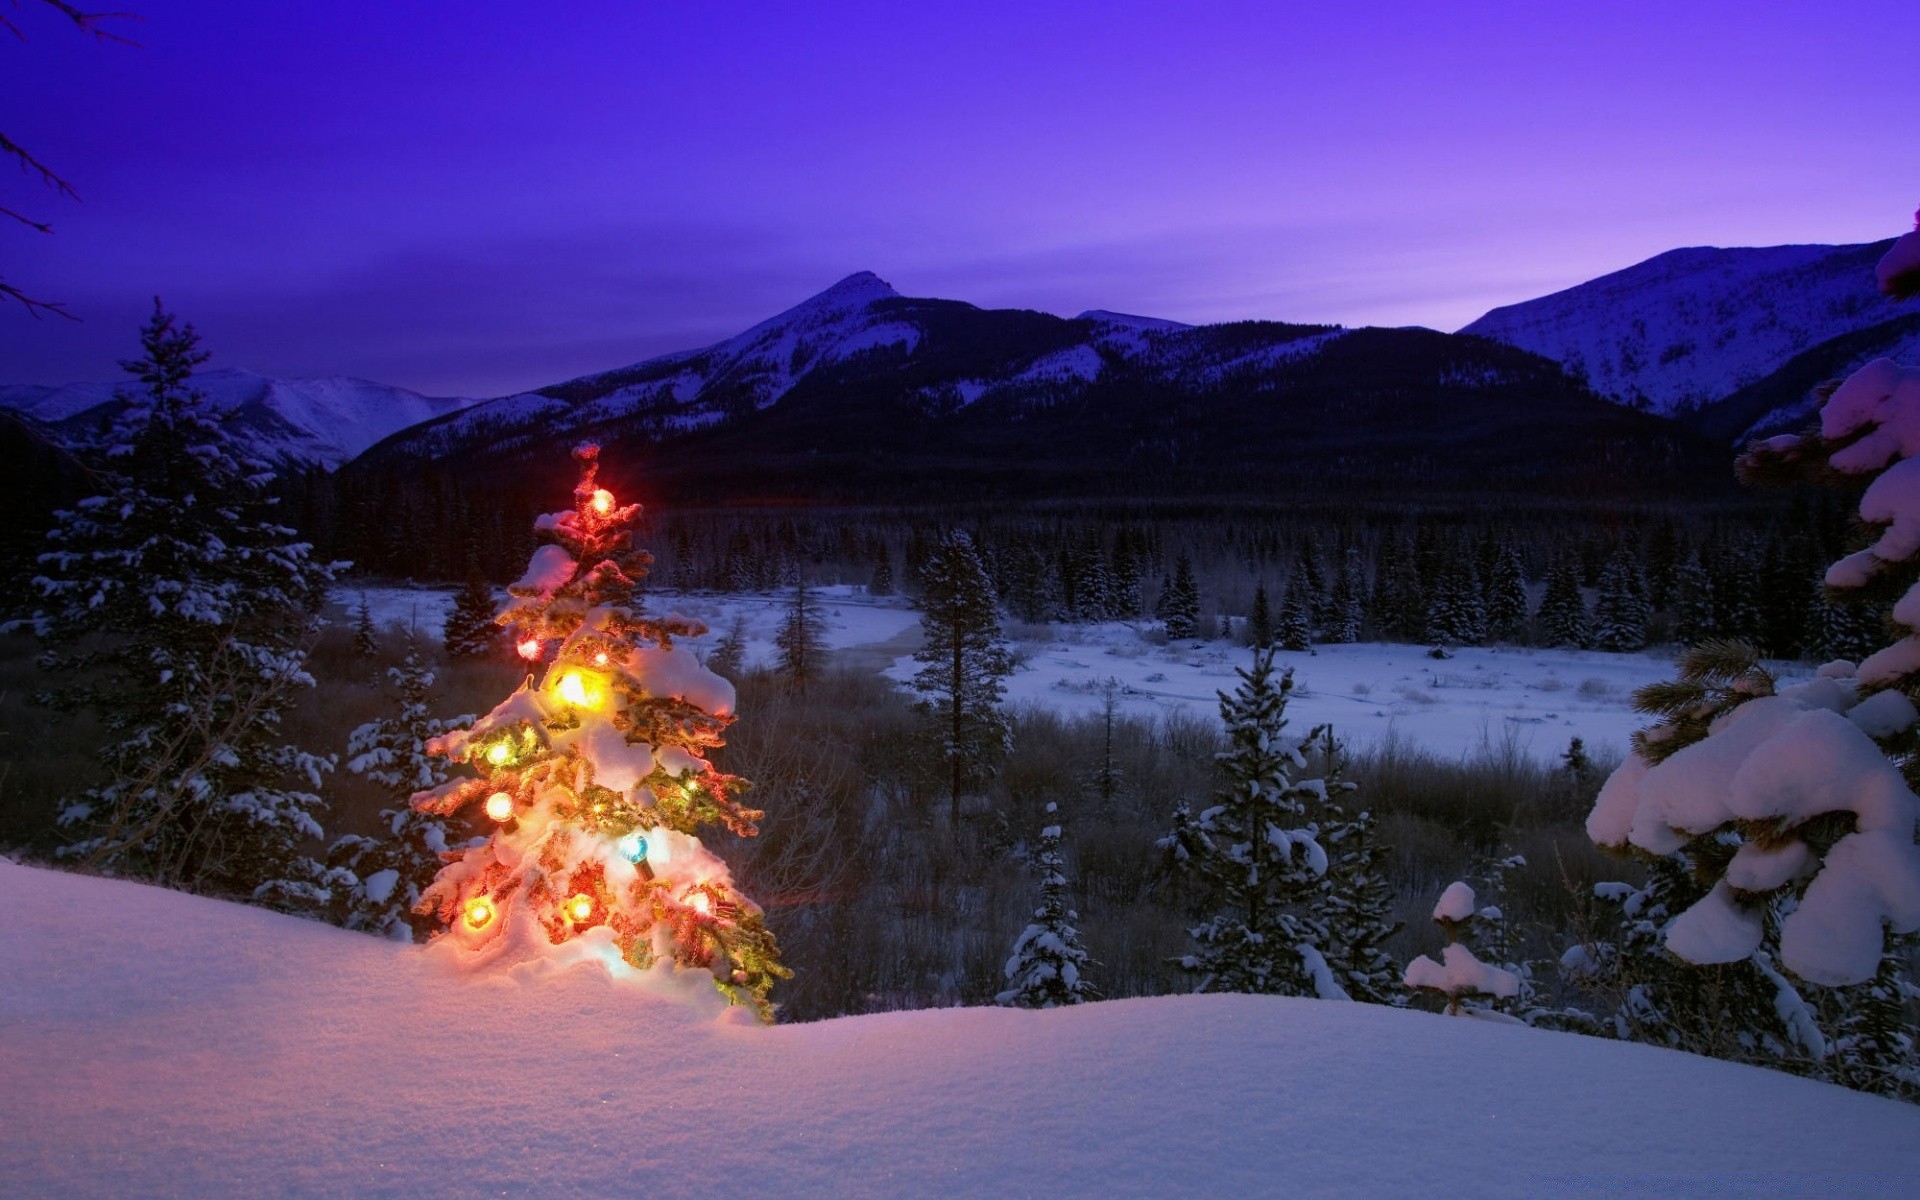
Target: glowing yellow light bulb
(500, 806)
(499, 753)
(580, 907)
(600, 659)
(573, 689)
(479, 912)
(602, 501)
(702, 903)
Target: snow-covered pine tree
(963, 662)
(1692, 601)
(1620, 614)
(389, 873)
(597, 780)
(1349, 601)
(366, 639)
(1507, 595)
(1841, 626)
(1460, 977)
(1048, 965)
(470, 631)
(1563, 609)
(1295, 631)
(1180, 602)
(882, 582)
(1357, 898)
(176, 610)
(1792, 811)
(1253, 861)
(802, 638)
(1260, 620)
(1399, 600)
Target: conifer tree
(385, 876)
(1349, 601)
(366, 640)
(596, 779)
(176, 609)
(470, 631)
(1357, 898)
(730, 652)
(882, 584)
(1260, 620)
(1106, 778)
(1296, 629)
(1254, 862)
(1048, 965)
(1180, 602)
(1507, 596)
(1620, 615)
(1839, 626)
(1563, 610)
(801, 640)
(963, 663)
(1460, 977)
(1692, 601)
(1399, 601)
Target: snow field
(1538, 697)
(159, 1044)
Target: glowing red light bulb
(530, 649)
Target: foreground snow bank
(153, 1043)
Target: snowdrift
(153, 1043)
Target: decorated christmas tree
(595, 776)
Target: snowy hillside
(318, 421)
(158, 1044)
(1689, 327)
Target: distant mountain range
(1728, 340)
(322, 422)
(1634, 383)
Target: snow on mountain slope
(158, 1044)
(1689, 327)
(318, 421)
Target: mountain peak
(859, 288)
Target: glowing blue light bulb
(634, 847)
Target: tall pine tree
(963, 662)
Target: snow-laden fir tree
(1048, 965)
(1783, 820)
(882, 582)
(174, 608)
(1357, 898)
(1295, 631)
(1563, 609)
(1179, 606)
(963, 661)
(1456, 615)
(1841, 626)
(1399, 605)
(470, 631)
(1348, 611)
(1620, 613)
(366, 639)
(596, 779)
(802, 638)
(1253, 862)
(1692, 601)
(1464, 983)
(1260, 620)
(1507, 596)
(385, 875)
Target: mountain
(863, 395)
(161, 1044)
(320, 422)
(1684, 332)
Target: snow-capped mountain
(862, 394)
(1684, 330)
(322, 422)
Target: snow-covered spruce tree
(1507, 596)
(470, 631)
(1692, 601)
(1349, 601)
(175, 609)
(1356, 899)
(1563, 610)
(1295, 631)
(802, 638)
(1792, 809)
(729, 657)
(882, 581)
(366, 639)
(1048, 966)
(1399, 607)
(388, 874)
(963, 662)
(1260, 620)
(1841, 626)
(597, 781)
(1180, 602)
(1620, 614)
(1253, 861)
(1460, 976)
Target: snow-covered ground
(159, 1044)
(1540, 698)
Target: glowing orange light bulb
(702, 903)
(602, 501)
(580, 907)
(499, 753)
(600, 659)
(479, 912)
(573, 689)
(530, 649)
(500, 806)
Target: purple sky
(483, 197)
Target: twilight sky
(483, 197)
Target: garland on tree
(596, 778)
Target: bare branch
(34, 166)
(91, 23)
(36, 307)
